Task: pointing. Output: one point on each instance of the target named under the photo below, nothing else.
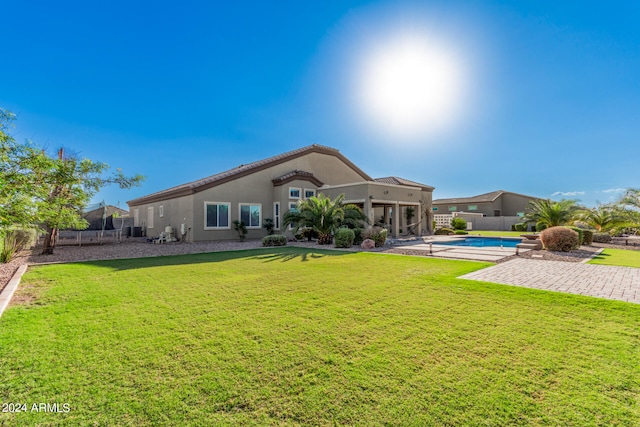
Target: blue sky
(547, 93)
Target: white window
(276, 215)
(150, 217)
(161, 211)
(217, 215)
(251, 214)
(293, 207)
(309, 193)
(294, 193)
(136, 217)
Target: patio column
(368, 211)
(419, 220)
(396, 219)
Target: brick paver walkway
(602, 281)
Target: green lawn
(626, 258)
(309, 337)
(498, 233)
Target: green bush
(588, 237)
(562, 239)
(540, 227)
(310, 233)
(443, 231)
(344, 238)
(274, 240)
(461, 232)
(377, 234)
(358, 236)
(522, 226)
(513, 227)
(459, 223)
(601, 237)
(580, 232)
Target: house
(497, 210)
(205, 209)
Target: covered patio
(386, 204)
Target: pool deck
(475, 253)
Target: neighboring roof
(395, 180)
(93, 208)
(297, 174)
(243, 170)
(482, 198)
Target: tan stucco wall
(176, 211)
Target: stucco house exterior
(204, 210)
(496, 203)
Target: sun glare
(409, 86)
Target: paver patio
(602, 281)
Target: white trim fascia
(393, 202)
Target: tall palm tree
(324, 216)
(550, 213)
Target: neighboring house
(496, 203)
(103, 215)
(205, 209)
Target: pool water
(483, 242)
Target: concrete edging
(7, 292)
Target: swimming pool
(483, 242)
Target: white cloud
(568, 193)
(614, 190)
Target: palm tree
(550, 213)
(324, 216)
(602, 218)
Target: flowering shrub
(377, 234)
(559, 239)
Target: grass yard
(310, 337)
(621, 257)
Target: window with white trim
(293, 207)
(276, 215)
(309, 193)
(251, 214)
(217, 215)
(161, 211)
(294, 193)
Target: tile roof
(395, 180)
(481, 198)
(240, 171)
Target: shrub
(588, 237)
(522, 226)
(268, 225)
(274, 240)
(358, 236)
(443, 231)
(377, 234)
(310, 233)
(434, 224)
(540, 227)
(560, 238)
(461, 232)
(344, 238)
(14, 241)
(580, 232)
(601, 237)
(459, 223)
(368, 244)
(513, 227)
